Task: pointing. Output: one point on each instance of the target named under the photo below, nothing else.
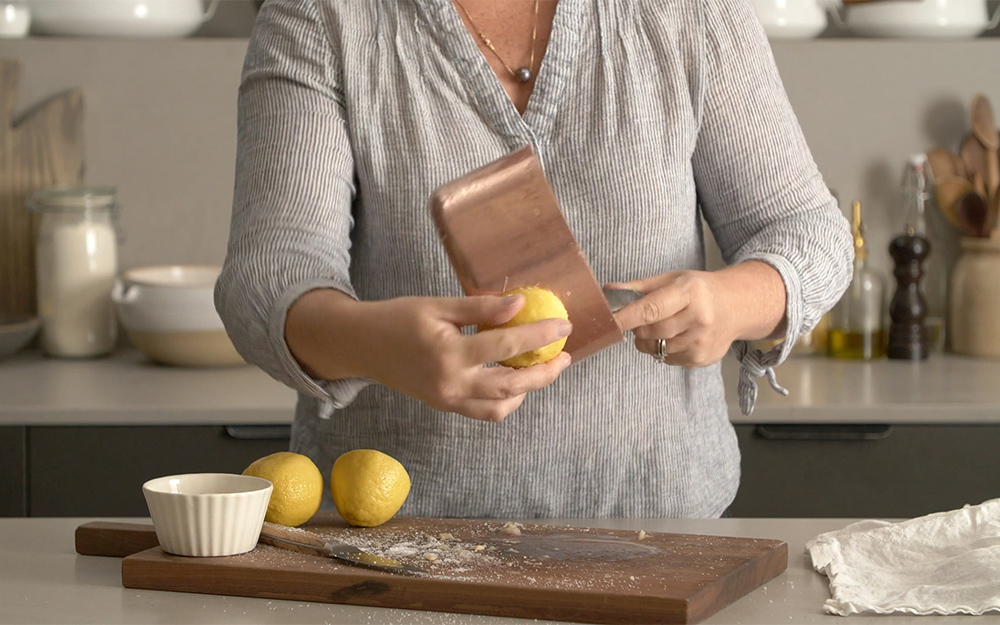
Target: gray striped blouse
(652, 118)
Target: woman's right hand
(415, 346)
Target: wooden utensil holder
(974, 306)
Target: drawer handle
(825, 432)
(259, 432)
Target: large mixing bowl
(119, 18)
(954, 19)
(168, 312)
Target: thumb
(481, 309)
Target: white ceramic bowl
(168, 312)
(119, 18)
(15, 333)
(15, 19)
(920, 19)
(207, 514)
(791, 19)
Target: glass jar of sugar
(76, 261)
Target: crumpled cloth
(942, 563)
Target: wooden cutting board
(43, 148)
(478, 567)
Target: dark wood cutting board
(479, 567)
(42, 148)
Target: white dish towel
(942, 563)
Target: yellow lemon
(368, 487)
(298, 487)
(539, 304)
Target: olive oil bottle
(857, 322)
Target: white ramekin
(207, 514)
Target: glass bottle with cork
(934, 283)
(857, 322)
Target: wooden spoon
(978, 185)
(973, 156)
(985, 130)
(995, 216)
(947, 191)
(973, 215)
(943, 163)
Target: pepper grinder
(908, 338)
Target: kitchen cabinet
(879, 439)
(13, 479)
(865, 470)
(99, 471)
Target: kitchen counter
(43, 580)
(126, 389)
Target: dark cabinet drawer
(99, 471)
(898, 471)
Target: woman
(650, 118)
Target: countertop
(43, 580)
(126, 389)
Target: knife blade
(303, 541)
(620, 298)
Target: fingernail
(564, 328)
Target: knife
(620, 298)
(297, 539)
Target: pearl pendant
(523, 74)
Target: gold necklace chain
(522, 74)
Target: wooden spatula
(502, 228)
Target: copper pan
(502, 228)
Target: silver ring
(661, 351)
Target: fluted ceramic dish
(207, 514)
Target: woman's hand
(700, 313)
(415, 346)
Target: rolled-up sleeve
(760, 191)
(291, 219)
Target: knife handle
(292, 538)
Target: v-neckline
(483, 84)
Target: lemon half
(539, 304)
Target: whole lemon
(298, 487)
(539, 304)
(368, 487)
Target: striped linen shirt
(652, 119)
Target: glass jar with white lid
(76, 261)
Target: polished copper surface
(502, 228)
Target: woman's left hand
(699, 314)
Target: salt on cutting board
(476, 567)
